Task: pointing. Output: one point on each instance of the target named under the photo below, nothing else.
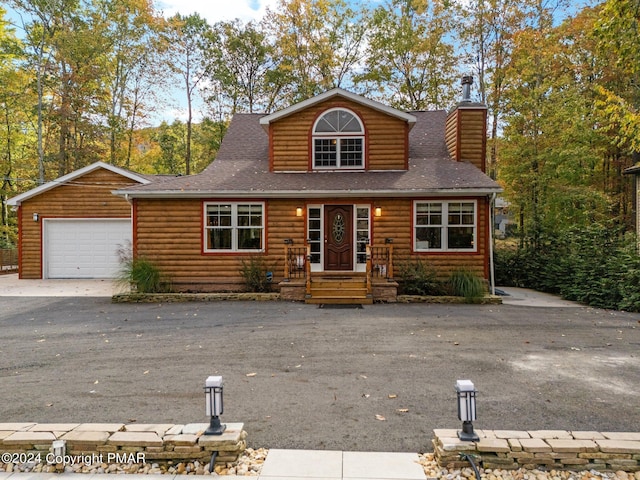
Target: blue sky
(216, 10)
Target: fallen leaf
(393, 395)
(145, 372)
(402, 410)
(366, 395)
(363, 376)
(96, 382)
(251, 374)
(380, 417)
(49, 404)
(42, 340)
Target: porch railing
(296, 262)
(379, 262)
(8, 259)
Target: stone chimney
(466, 129)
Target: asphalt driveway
(303, 377)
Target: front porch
(376, 284)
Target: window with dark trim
(234, 227)
(338, 140)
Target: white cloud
(217, 10)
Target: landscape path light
(214, 404)
(466, 410)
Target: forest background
(86, 80)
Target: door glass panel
(338, 229)
(314, 233)
(362, 234)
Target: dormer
(338, 131)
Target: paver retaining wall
(120, 443)
(551, 449)
(138, 443)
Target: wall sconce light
(466, 410)
(299, 212)
(36, 217)
(388, 240)
(377, 211)
(213, 405)
(288, 241)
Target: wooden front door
(338, 237)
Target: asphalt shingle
(242, 167)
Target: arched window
(338, 140)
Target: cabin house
(332, 194)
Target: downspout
(492, 277)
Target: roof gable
(18, 199)
(337, 92)
(241, 170)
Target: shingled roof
(241, 170)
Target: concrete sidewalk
(525, 297)
(291, 465)
(12, 286)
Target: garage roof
(18, 199)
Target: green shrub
(419, 278)
(467, 284)
(597, 265)
(254, 273)
(140, 274)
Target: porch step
(339, 300)
(335, 290)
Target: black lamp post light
(214, 405)
(466, 410)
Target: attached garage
(84, 248)
(73, 227)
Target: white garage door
(84, 248)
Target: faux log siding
(90, 197)
(396, 222)
(169, 232)
(385, 143)
(465, 135)
(451, 134)
(473, 137)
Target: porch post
(369, 269)
(307, 270)
(286, 262)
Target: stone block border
(546, 449)
(122, 443)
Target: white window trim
(234, 228)
(317, 267)
(360, 267)
(338, 136)
(444, 226)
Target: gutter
(492, 275)
(450, 192)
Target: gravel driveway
(380, 378)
